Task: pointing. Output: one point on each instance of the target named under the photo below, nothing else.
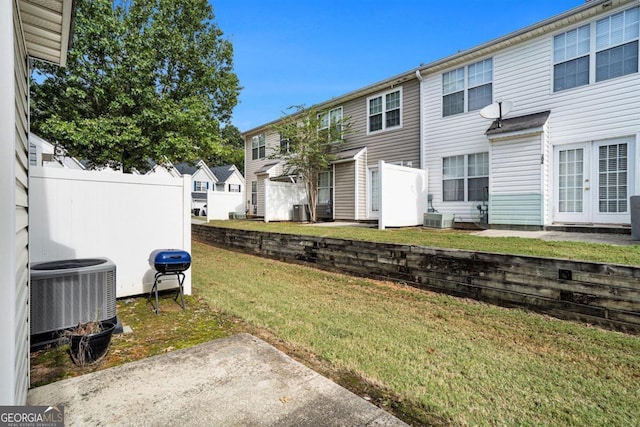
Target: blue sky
(301, 52)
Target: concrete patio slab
(235, 381)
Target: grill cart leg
(181, 278)
(155, 289)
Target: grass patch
(433, 358)
(171, 329)
(455, 239)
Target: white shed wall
(403, 195)
(220, 203)
(280, 198)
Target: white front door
(594, 181)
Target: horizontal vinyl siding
(515, 166)
(344, 191)
(394, 145)
(515, 209)
(515, 181)
(22, 233)
(449, 136)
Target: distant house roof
(186, 168)
(517, 124)
(223, 172)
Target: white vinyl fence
(123, 217)
(220, 203)
(403, 195)
(279, 198)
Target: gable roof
(48, 28)
(186, 168)
(223, 172)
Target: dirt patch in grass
(152, 334)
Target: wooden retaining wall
(603, 294)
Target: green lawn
(440, 359)
(458, 239)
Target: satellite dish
(497, 110)
(58, 151)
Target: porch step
(590, 228)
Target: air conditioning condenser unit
(67, 292)
(438, 220)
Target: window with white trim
(384, 111)
(200, 186)
(331, 124)
(234, 188)
(258, 147)
(285, 145)
(465, 177)
(598, 51)
(467, 88)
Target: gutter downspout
(421, 118)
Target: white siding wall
(14, 263)
(516, 181)
(236, 179)
(523, 74)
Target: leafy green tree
(232, 151)
(144, 79)
(311, 137)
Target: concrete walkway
(235, 381)
(612, 239)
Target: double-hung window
(384, 111)
(617, 44)
(331, 124)
(258, 147)
(571, 58)
(234, 188)
(465, 177)
(467, 88)
(598, 51)
(285, 145)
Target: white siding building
(566, 152)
